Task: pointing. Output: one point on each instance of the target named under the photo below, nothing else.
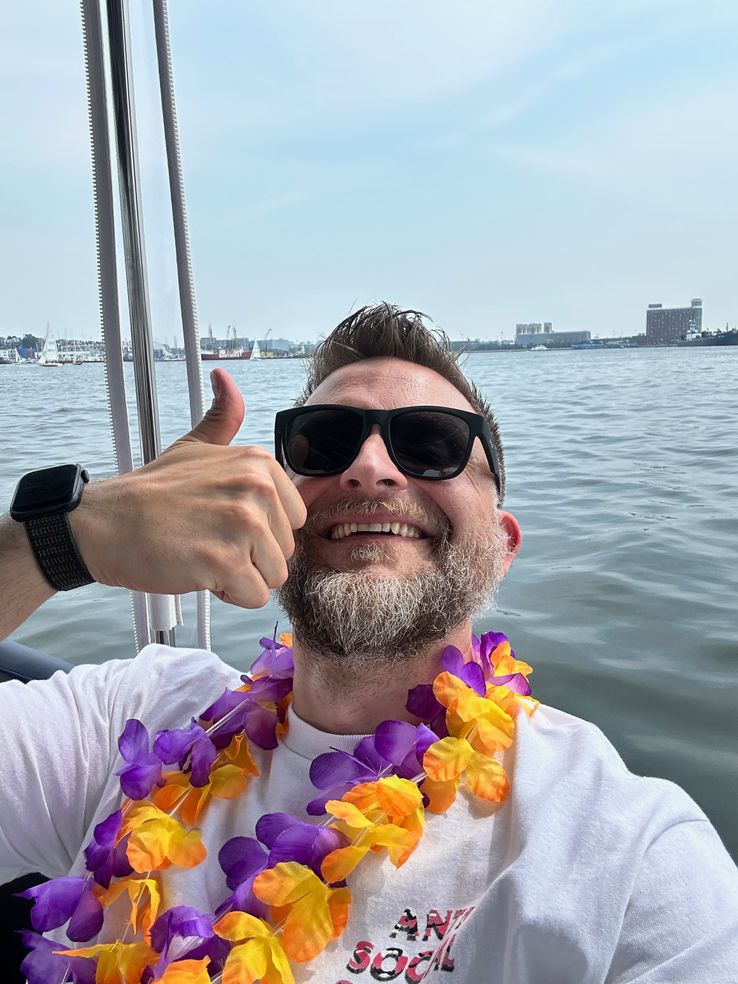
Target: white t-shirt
(587, 874)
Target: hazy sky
(487, 163)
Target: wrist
(18, 558)
(42, 502)
(23, 588)
(87, 526)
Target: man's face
(454, 534)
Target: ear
(514, 535)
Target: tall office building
(673, 324)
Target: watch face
(46, 489)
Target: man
(384, 535)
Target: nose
(372, 467)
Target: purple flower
(471, 673)
(421, 701)
(189, 747)
(244, 711)
(395, 748)
(143, 769)
(104, 858)
(476, 674)
(404, 745)
(483, 649)
(275, 660)
(242, 858)
(334, 773)
(183, 922)
(42, 966)
(63, 899)
(290, 839)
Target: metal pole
(107, 265)
(132, 226)
(121, 78)
(185, 280)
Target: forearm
(23, 587)
(202, 516)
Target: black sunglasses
(432, 443)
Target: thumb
(224, 418)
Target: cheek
(467, 506)
(310, 489)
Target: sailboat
(50, 353)
(256, 351)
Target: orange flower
(447, 760)
(117, 963)
(503, 662)
(481, 721)
(144, 897)
(386, 814)
(157, 840)
(310, 913)
(259, 955)
(185, 972)
(228, 778)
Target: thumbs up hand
(203, 515)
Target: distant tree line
(26, 342)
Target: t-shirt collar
(305, 740)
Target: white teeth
(342, 530)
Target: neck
(343, 697)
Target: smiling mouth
(342, 530)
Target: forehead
(384, 384)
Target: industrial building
(542, 333)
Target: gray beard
(358, 620)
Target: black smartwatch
(41, 502)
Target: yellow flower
(447, 760)
(117, 963)
(387, 814)
(259, 955)
(228, 778)
(480, 720)
(144, 897)
(503, 662)
(185, 972)
(156, 840)
(309, 912)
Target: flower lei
(289, 896)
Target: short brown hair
(384, 331)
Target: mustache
(438, 526)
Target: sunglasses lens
(322, 441)
(430, 443)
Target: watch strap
(56, 552)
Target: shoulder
(162, 686)
(567, 767)
(631, 861)
(165, 686)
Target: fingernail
(216, 387)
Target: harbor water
(623, 472)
